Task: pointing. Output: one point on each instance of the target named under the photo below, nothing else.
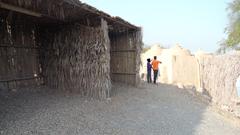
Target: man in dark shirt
(149, 70)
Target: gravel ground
(149, 110)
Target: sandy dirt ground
(147, 110)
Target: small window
(175, 58)
(238, 86)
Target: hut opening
(67, 45)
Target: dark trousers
(155, 75)
(149, 77)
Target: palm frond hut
(68, 45)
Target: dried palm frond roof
(65, 10)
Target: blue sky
(195, 24)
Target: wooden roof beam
(19, 9)
(109, 18)
(28, 12)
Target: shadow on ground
(148, 110)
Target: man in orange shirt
(155, 63)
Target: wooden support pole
(20, 79)
(19, 47)
(123, 73)
(124, 50)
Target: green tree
(233, 30)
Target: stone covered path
(149, 110)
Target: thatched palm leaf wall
(79, 60)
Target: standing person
(155, 63)
(149, 70)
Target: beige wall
(178, 65)
(185, 71)
(214, 75)
(166, 68)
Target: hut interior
(67, 45)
